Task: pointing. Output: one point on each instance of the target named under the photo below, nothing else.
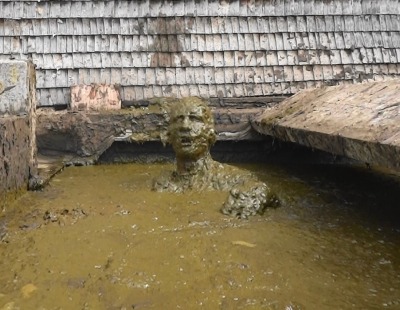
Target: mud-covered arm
(243, 202)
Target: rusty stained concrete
(15, 162)
(95, 97)
(360, 121)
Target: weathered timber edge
(359, 121)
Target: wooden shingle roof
(206, 48)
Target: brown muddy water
(98, 238)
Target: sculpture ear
(166, 112)
(165, 136)
(212, 136)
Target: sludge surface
(98, 238)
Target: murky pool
(98, 238)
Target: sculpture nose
(185, 122)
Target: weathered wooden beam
(224, 102)
(360, 121)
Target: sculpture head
(191, 128)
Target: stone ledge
(86, 135)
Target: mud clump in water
(191, 134)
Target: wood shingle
(207, 48)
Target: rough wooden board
(360, 121)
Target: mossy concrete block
(16, 78)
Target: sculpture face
(191, 130)
(191, 133)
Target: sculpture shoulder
(228, 177)
(165, 183)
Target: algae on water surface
(99, 238)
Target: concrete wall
(211, 48)
(17, 127)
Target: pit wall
(208, 48)
(18, 163)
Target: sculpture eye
(195, 117)
(178, 118)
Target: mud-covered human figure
(191, 134)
